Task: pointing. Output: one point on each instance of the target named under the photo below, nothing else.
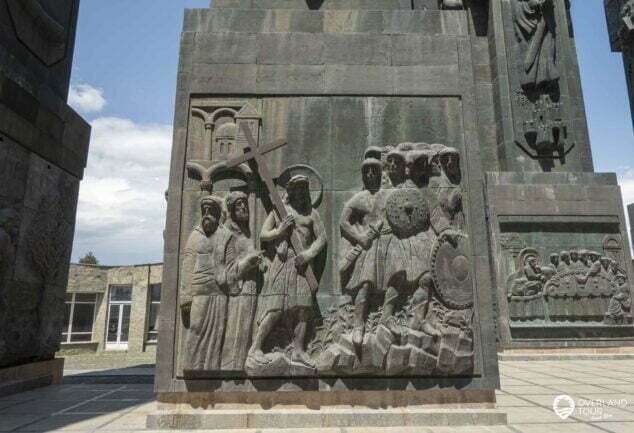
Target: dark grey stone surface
(43, 149)
(334, 79)
(332, 82)
(620, 18)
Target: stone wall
(43, 149)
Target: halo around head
(297, 171)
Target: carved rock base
(411, 353)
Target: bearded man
(204, 287)
(243, 280)
(286, 292)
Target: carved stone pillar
(43, 150)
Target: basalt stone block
(43, 149)
(330, 190)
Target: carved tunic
(365, 209)
(535, 30)
(204, 283)
(284, 287)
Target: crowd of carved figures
(406, 303)
(576, 285)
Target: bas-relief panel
(543, 110)
(356, 264)
(566, 277)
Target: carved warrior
(407, 275)
(577, 285)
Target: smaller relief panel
(43, 26)
(586, 285)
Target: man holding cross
(287, 291)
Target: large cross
(256, 153)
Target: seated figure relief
(577, 285)
(407, 293)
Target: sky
(124, 80)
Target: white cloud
(86, 99)
(121, 212)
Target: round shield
(407, 211)
(451, 269)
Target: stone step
(565, 357)
(289, 420)
(326, 4)
(430, 22)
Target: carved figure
(550, 270)
(361, 224)
(448, 214)
(204, 287)
(286, 291)
(9, 226)
(530, 280)
(535, 30)
(576, 263)
(620, 304)
(396, 166)
(605, 268)
(242, 284)
(564, 262)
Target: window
(155, 304)
(79, 317)
(119, 308)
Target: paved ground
(603, 391)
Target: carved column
(620, 17)
(538, 88)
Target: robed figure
(535, 28)
(242, 276)
(204, 288)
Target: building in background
(112, 308)
(620, 15)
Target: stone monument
(562, 262)
(43, 149)
(620, 17)
(346, 176)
